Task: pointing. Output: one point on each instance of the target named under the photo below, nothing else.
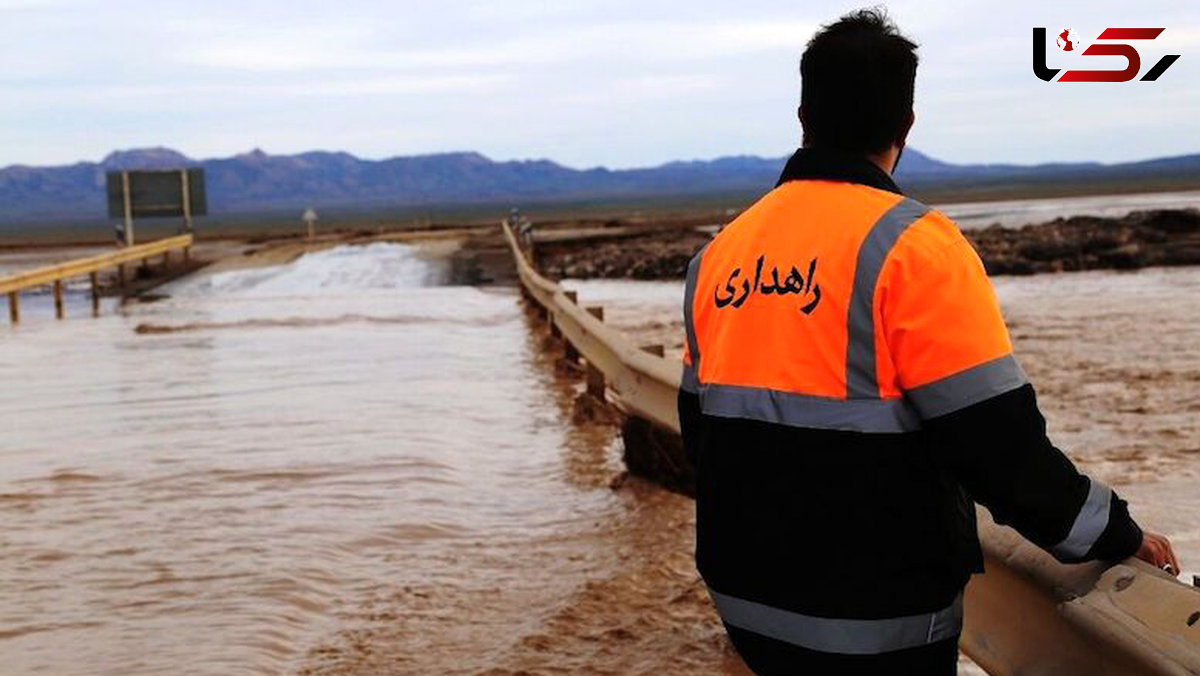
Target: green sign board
(157, 193)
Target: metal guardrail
(1028, 615)
(91, 266)
(646, 386)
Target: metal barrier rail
(91, 266)
(646, 385)
(1028, 615)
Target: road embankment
(1165, 237)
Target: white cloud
(334, 48)
(25, 5)
(618, 82)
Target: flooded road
(345, 465)
(334, 466)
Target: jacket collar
(832, 165)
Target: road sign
(310, 219)
(156, 194)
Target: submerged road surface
(348, 465)
(341, 465)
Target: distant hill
(256, 182)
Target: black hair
(856, 84)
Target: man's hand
(1156, 550)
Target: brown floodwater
(341, 465)
(345, 465)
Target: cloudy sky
(582, 82)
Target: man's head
(857, 78)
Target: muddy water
(335, 466)
(344, 465)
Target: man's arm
(953, 360)
(691, 421)
(691, 424)
(999, 451)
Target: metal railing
(56, 274)
(1029, 614)
(646, 385)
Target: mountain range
(258, 182)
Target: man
(850, 391)
(523, 226)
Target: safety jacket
(849, 392)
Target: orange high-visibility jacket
(849, 390)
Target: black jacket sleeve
(691, 424)
(998, 450)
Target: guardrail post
(187, 254)
(569, 352)
(121, 274)
(595, 382)
(166, 259)
(58, 298)
(595, 378)
(14, 306)
(95, 277)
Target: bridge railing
(1029, 614)
(56, 274)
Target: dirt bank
(1139, 239)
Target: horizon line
(259, 151)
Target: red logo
(1067, 42)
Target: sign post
(187, 200)
(177, 193)
(310, 219)
(127, 198)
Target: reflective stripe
(861, 379)
(689, 324)
(863, 410)
(1089, 523)
(967, 387)
(689, 382)
(841, 635)
(803, 410)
